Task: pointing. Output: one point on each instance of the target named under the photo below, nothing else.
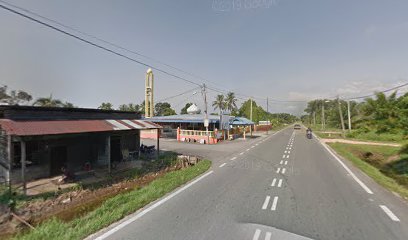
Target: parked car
(297, 126)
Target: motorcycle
(147, 149)
(309, 134)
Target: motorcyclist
(309, 132)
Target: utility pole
(341, 117)
(206, 122)
(323, 120)
(349, 115)
(250, 114)
(267, 111)
(314, 118)
(250, 127)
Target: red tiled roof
(33, 128)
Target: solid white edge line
(266, 202)
(368, 190)
(150, 208)
(257, 234)
(274, 203)
(389, 213)
(222, 165)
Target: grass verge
(381, 163)
(116, 207)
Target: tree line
(229, 103)
(18, 97)
(378, 114)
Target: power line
(97, 45)
(106, 42)
(111, 44)
(371, 95)
(142, 55)
(180, 94)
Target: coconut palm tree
(48, 102)
(231, 101)
(219, 103)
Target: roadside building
(191, 127)
(36, 142)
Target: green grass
(373, 136)
(116, 207)
(392, 175)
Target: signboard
(224, 121)
(206, 122)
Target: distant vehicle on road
(297, 126)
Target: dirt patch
(340, 140)
(370, 157)
(70, 205)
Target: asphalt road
(283, 186)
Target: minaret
(149, 105)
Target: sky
(282, 49)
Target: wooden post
(9, 158)
(9, 162)
(108, 153)
(341, 119)
(158, 144)
(23, 166)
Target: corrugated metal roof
(241, 121)
(185, 118)
(198, 118)
(35, 128)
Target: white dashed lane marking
(286, 162)
(266, 202)
(281, 162)
(274, 203)
(232, 159)
(283, 170)
(241, 153)
(280, 183)
(257, 234)
(273, 182)
(222, 165)
(277, 171)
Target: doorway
(58, 159)
(116, 154)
